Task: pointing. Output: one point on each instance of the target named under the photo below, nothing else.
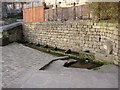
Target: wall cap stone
(77, 22)
(10, 26)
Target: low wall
(13, 31)
(77, 36)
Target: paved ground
(0, 68)
(18, 59)
(21, 70)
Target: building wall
(77, 36)
(0, 10)
(3, 9)
(10, 8)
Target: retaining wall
(77, 36)
(12, 31)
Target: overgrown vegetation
(104, 10)
(4, 35)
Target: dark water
(59, 65)
(83, 65)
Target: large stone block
(104, 57)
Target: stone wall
(77, 36)
(13, 32)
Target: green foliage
(104, 10)
(88, 62)
(4, 35)
(68, 51)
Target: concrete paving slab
(62, 77)
(56, 77)
(17, 59)
(0, 67)
(21, 66)
(73, 80)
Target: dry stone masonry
(77, 36)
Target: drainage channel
(66, 62)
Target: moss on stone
(81, 58)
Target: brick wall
(77, 36)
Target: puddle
(59, 65)
(83, 65)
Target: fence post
(56, 13)
(48, 15)
(62, 15)
(53, 15)
(81, 17)
(74, 12)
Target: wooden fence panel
(34, 14)
(68, 13)
(50, 14)
(30, 15)
(54, 15)
(38, 14)
(65, 14)
(46, 15)
(71, 13)
(79, 12)
(59, 14)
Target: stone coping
(84, 22)
(10, 26)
